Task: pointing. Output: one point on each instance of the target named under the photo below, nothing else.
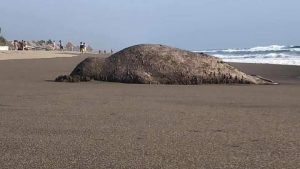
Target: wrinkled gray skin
(158, 64)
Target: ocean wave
(257, 49)
(271, 48)
(271, 58)
(267, 48)
(295, 49)
(294, 46)
(277, 61)
(269, 55)
(206, 51)
(273, 54)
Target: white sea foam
(271, 58)
(255, 49)
(208, 51)
(287, 61)
(261, 56)
(295, 50)
(274, 54)
(267, 48)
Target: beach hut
(70, 46)
(89, 48)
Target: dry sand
(111, 125)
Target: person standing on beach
(16, 44)
(22, 45)
(54, 47)
(25, 45)
(19, 45)
(84, 47)
(61, 46)
(81, 47)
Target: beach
(94, 124)
(16, 55)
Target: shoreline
(31, 54)
(21, 55)
(25, 55)
(283, 74)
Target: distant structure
(70, 46)
(89, 48)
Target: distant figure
(81, 47)
(111, 51)
(104, 51)
(25, 47)
(21, 45)
(100, 51)
(84, 47)
(16, 45)
(54, 47)
(61, 47)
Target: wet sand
(16, 55)
(45, 124)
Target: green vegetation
(3, 41)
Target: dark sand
(110, 125)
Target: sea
(273, 54)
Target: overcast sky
(188, 24)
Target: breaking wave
(274, 54)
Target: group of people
(20, 45)
(104, 52)
(23, 45)
(60, 47)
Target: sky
(187, 24)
